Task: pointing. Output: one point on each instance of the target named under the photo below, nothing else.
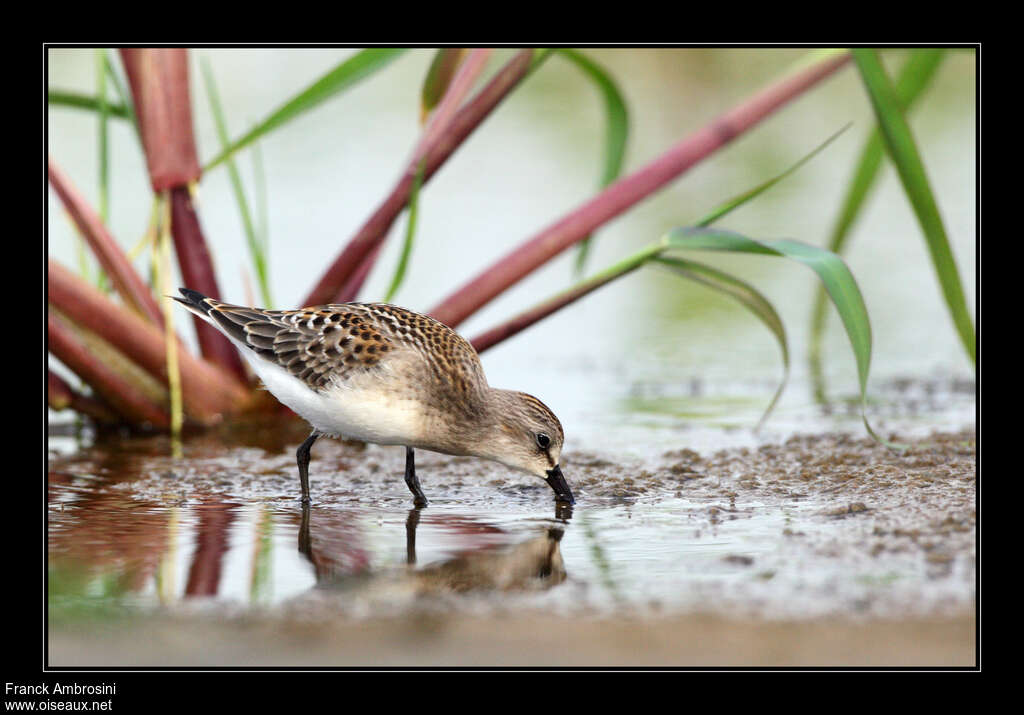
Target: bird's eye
(543, 441)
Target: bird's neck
(481, 425)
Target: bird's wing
(329, 342)
(316, 344)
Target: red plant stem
(163, 106)
(628, 191)
(453, 96)
(373, 232)
(127, 282)
(207, 390)
(120, 394)
(198, 274)
(58, 392)
(354, 284)
(439, 76)
(212, 542)
(159, 84)
(60, 396)
(439, 123)
(528, 317)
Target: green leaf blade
(902, 148)
(76, 100)
(122, 95)
(439, 75)
(256, 246)
(104, 113)
(737, 201)
(410, 233)
(749, 297)
(914, 78)
(343, 76)
(616, 132)
(831, 270)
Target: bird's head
(525, 435)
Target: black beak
(557, 482)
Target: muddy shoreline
(819, 550)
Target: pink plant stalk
(212, 540)
(453, 96)
(207, 391)
(163, 106)
(442, 70)
(159, 82)
(628, 191)
(121, 394)
(350, 291)
(439, 123)
(128, 284)
(60, 396)
(198, 273)
(374, 231)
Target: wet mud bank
(921, 500)
(816, 550)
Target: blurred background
(647, 356)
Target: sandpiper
(380, 373)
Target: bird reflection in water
(533, 564)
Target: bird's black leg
(412, 481)
(411, 522)
(305, 545)
(303, 458)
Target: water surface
(809, 527)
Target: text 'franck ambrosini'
(60, 689)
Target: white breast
(360, 408)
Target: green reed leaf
(746, 294)
(410, 233)
(104, 112)
(600, 559)
(902, 149)
(260, 581)
(830, 268)
(914, 78)
(741, 291)
(122, 95)
(616, 131)
(256, 248)
(442, 69)
(259, 178)
(540, 55)
(737, 201)
(77, 100)
(104, 153)
(342, 77)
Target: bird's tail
(196, 302)
(228, 319)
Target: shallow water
(805, 527)
(187, 561)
